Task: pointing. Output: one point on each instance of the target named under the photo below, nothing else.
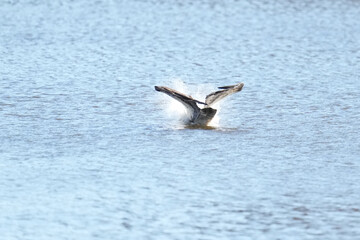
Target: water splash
(173, 108)
(176, 110)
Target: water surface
(88, 149)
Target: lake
(89, 150)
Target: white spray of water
(176, 110)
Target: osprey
(201, 116)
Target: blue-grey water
(88, 149)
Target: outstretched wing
(186, 100)
(226, 91)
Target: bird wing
(186, 100)
(226, 91)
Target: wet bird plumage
(201, 116)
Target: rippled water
(88, 149)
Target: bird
(201, 116)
